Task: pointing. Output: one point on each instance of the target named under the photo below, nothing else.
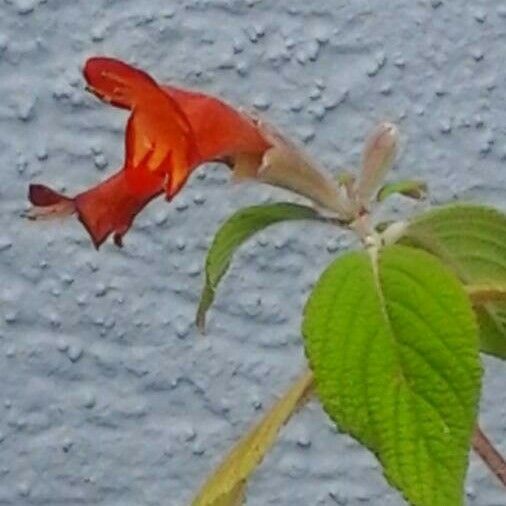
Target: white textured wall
(108, 395)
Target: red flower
(170, 132)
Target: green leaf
(471, 240)
(233, 233)
(226, 486)
(392, 342)
(412, 189)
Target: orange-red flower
(169, 133)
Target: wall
(109, 396)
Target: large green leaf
(234, 232)
(392, 342)
(472, 241)
(226, 486)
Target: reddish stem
(492, 458)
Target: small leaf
(226, 486)
(471, 240)
(412, 189)
(492, 324)
(392, 342)
(483, 294)
(233, 233)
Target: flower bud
(378, 156)
(287, 166)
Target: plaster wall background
(108, 395)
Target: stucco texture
(109, 396)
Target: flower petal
(159, 138)
(42, 196)
(108, 208)
(111, 206)
(156, 145)
(48, 203)
(116, 82)
(173, 131)
(221, 132)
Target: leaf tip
(200, 322)
(200, 316)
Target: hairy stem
(492, 458)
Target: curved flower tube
(169, 133)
